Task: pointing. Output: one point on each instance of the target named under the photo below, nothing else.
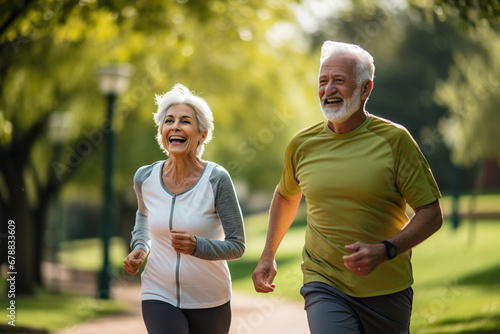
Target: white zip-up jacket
(210, 211)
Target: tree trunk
(40, 224)
(46, 195)
(18, 217)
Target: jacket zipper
(177, 266)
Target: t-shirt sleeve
(229, 212)
(414, 178)
(289, 184)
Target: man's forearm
(426, 221)
(281, 216)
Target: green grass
(86, 254)
(457, 281)
(482, 203)
(457, 272)
(58, 311)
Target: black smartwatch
(391, 249)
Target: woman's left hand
(183, 242)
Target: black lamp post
(113, 80)
(58, 135)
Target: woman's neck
(179, 169)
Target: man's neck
(350, 124)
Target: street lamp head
(114, 79)
(59, 127)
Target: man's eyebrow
(335, 76)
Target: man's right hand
(134, 260)
(263, 276)
(281, 215)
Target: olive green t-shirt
(356, 186)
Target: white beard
(337, 114)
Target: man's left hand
(365, 257)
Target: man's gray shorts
(330, 311)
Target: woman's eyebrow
(185, 116)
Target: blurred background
(77, 86)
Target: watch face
(391, 249)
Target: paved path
(252, 313)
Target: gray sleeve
(141, 237)
(228, 209)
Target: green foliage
(5, 130)
(470, 12)
(470, 93)
(217, 48)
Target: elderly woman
(189, 221)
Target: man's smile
(333, 100)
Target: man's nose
(331, 88)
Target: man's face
(339, 95)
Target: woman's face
(180, 132)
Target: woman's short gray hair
(365, 68)
(182, 95)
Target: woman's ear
(204, 135)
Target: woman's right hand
(134, 260)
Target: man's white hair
(365, 69)
(182, 95)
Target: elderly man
(357, 171)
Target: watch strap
(390, 249)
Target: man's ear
(366, 89)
